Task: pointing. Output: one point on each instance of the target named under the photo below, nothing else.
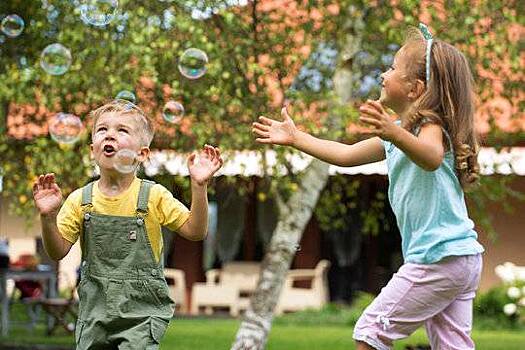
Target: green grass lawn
(215, 334)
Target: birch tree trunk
(294, 215)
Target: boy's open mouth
(109, 150)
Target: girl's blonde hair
(448, 100)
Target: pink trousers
(437, 295)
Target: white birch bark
(293, 218)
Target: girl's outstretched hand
(203, 165)
(47, 194)
(374, 115)
(270, 131)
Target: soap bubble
(65, 128)
(55, 59)
(126, 95)
(12, 26)
(98, 12)
(125, 161)
(192, 63)
(173, 112)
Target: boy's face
(114, 132)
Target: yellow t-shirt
(163, 210)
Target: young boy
(124, 298)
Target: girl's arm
(271, 131)
(363, 152)
(426, 149)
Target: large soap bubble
(12, 25)
(65, 128)
(192, 63)
(98, 12)
(55, 59)
(126, 95)
(125, 161)
(173, 112)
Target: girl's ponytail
(466, 164)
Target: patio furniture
(177, 289)
(231, 287)
(294, 298)
(21, 274)
(63, 311)
(214, 296)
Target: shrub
(330, 314)
(492, 311)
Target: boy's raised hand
(203, 165)
(47, 194)
(270, 131)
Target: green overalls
(124, 297)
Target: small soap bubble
(192, 63)
(12, 25)
(55, 59)
(173, 112)
(98, 13)
(125, 161)
(65, 128)
(126, 95)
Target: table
(6, 274)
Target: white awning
(249, 163)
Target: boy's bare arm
(48, 198)
(196, 227)
(55, 245)
(201, 166)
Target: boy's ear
(417, 89)
(143, 154)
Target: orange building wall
(510, 242)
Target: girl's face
(397, 90)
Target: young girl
(431, 156)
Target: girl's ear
(416, 90)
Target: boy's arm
(196, 227)
(201, 166)
(48, 197)
(55, 245)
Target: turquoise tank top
(430, 208)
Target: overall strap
(87, 207)
(142, 202)
(87, 194)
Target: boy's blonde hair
(123, 107)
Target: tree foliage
(259, 54)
